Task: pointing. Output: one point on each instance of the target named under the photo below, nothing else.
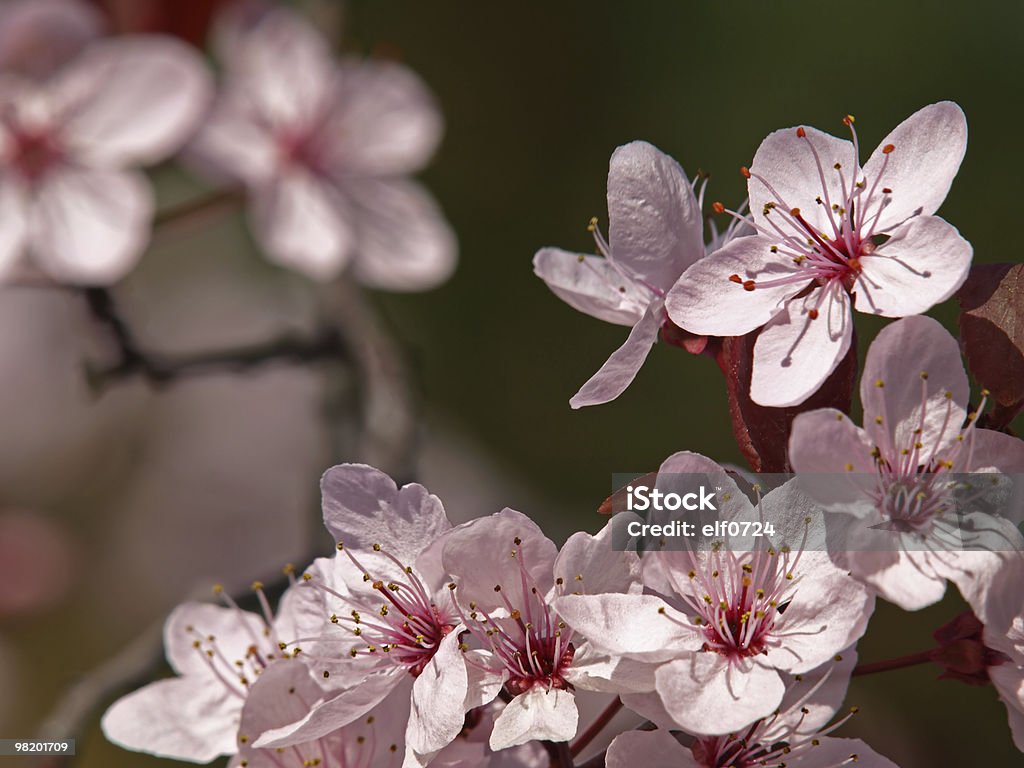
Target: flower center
(529, 642)
(34, 153)
(407, 625)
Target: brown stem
(911, 660)
(599, 724)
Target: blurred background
(116, 505)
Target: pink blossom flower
(796, 734)
(70, 197)
(38, 37)
(831, 234)
(379, 614)
(909, 531)
(217, 653)
(506, 577)
(325, 150)
(722, 624)
(655, 231)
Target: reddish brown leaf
(992, 336)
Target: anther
(888, 148)
(800, 132)
(813, 314)
(718, 207)
(745, 172)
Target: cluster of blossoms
(322, 148)
(419, 641)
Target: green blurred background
(536, 96)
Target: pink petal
(182, 718)
(13, 225)
(987, 450)
(386, 120)
(640, 627)
(655, 224)
(132, 100)
(706, 694)
(404, 242)
(652, 749)
(621, 368)
(928, 148)
(794, 353)
(912, 580)
(602, 568)
(787, 162)
(829, 613)
(233, 145)
(363, 507)
(921, 265)
(892, 389)
(705, 301)
(826, 442)
(303, 224)
(236, 632)
(438, 702)
(591, 285)
(38, 37)
(478, 555)
(538, 714)
(90, 226)
(280, 65)
(1009, 682)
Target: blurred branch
(161, 369)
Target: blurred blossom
(36, 563)
(70, 197)
(325, 149)
(38, 37)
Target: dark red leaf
(992, 336)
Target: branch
(911, 660)
(160, 369)
(599, 724)
(197, 209)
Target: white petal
(909, 579)
(480, 555)
(831, 751)
(235, 632)
(794, 354)
(592, 285)
(641, 627)
(621, 368)
(602, 568)
(538, 714)
(706, 301)
(90, 226)
(655, 227)
(705, 694)
(892, 389)
(282, 66)
(132, 100)
(182, 718)
(652, 749)
(37, 37)
(788, 163)
(363, 506)
(334, 712)
(303, 224)
(404, 241)
(233, 144)
(438, 701)
(825, 442)
(928, 148)
(829, 612)
(386, 120)
(921, 265)
(1009, 682)
(13, 224)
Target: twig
(599, 724)
(911, 660)
(559, 754)
(160, 369)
